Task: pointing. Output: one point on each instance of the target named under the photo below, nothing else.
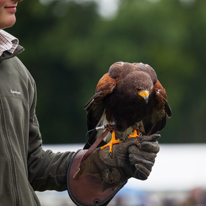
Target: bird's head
(144, 93)
(135, 86)
(143, 85)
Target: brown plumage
(129, 94)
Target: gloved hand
(102, 175)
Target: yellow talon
(111, 143)
(134, 134)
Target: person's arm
(46, 170)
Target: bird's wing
(104, 87)
(95, 107)
(162, 98)
(156, 120)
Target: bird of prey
(131, 97)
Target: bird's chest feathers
(128, 101)
(125, 110)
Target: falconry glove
(102, 176)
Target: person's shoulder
(21, 69)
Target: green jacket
(24, 165)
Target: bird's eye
(138, 89)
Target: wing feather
(155, 121)
(104, 87)
(95, 107)
(162, 97)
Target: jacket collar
(7, 55)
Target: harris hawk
(130, 97)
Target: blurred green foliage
(69, 47)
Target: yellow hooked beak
(144, 94)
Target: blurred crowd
(194, 197)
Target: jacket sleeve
(46, 170)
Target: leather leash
(90, 150)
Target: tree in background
(69, 47)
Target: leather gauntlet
(102, 176)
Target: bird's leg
(111, 143)
(136, 132)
